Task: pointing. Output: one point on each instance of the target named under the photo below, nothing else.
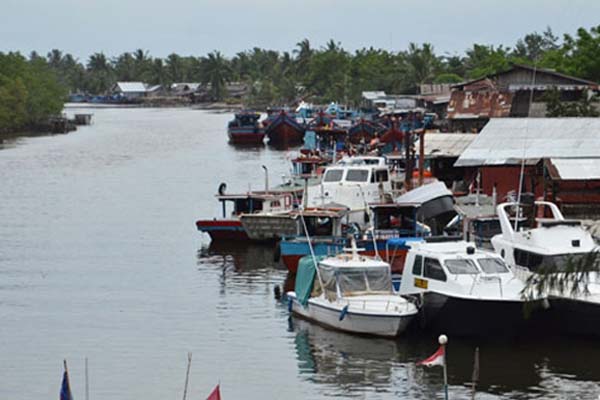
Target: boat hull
(474, 317)
(223, 229)
(284, 131)
(249, 135)
(384, 324)
(575, 317)
(293, 251)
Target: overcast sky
(195, 27)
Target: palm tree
(142, 63)
(100, 72)
(217, 72)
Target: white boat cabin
(543, 237)
(458, 269)
(352, 182)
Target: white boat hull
(389, 318)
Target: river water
(100, 258)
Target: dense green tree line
(30, 89)
(331, 73)
(29, 92)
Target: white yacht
(544, 238)
(352, 182)
(464, 291)
(351, 293)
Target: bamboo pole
(87, 381)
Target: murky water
(99, 258)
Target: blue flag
(65, 388)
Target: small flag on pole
(215, 394)
(65, 387)
(436, 358)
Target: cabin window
(418, 266)
(559, 262)
(357, 175)
(527, 259)
(318, 226)
(333, 175)
(492, 265)
(380, 175)
(248, 206)
(275, 203)
(461, 267)
(433, 269)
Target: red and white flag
(215, 394)
(436, 358)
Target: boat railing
(362, 304)
(479, 279)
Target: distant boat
(283, 129)
(245, 128)
(350, 293)
(363, 131)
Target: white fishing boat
(465, 291)
(350, 293)
(543, 238)
(353, 182)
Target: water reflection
(346, 363)
(242, 257)
(349, 365)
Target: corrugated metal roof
(577, 168)
(446, 144)
(373, 95)
(506, 141)
(126, 87)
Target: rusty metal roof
(482, 104)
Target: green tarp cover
(305, 276)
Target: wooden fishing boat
(229, 227)
(246, 128)
(283, 129)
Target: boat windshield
(461, 267)
(492, 265)
(357, 175)
(333, 175)
(558, 262)
(358, 281)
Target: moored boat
(545, 242)
(229, 226)
(350, 293)
(246, 128)
(466, 291)
(283, 129)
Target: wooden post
(187, 376)
(421, 157)
(408, 162)
(475, 377)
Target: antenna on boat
(522, 174)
